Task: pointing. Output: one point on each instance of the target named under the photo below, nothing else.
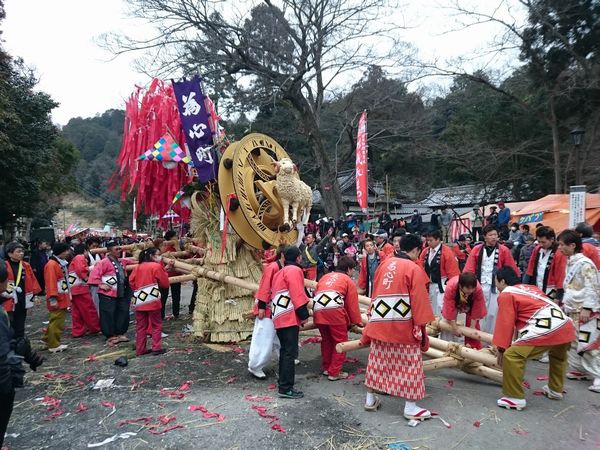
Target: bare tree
(296, 51)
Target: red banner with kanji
(362, 192)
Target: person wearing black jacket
(12, 353)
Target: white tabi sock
(370, 399)
(409, 407)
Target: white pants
(491, 303)
(436, 298)
(588, 363)
(264, 344)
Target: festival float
(236, 197)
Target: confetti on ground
(155, 431)
(82, 407)
(160, 365)
(449, 384)
(526, 384)
(238, 350)
(91, 358)
(55, 414)
(351, 360)
(272, 387)
(146, 420)
(310, 340)
(107, 404)
(51, 402)
(231, 380)
(477, 423)
(206, 413)
(254, 398)
(542, 378)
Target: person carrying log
(289, 311)
(463, 295)
(335, 309)
(396, 330)
(264, 341)
(541, 327)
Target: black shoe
(162, 351)
(291, 394)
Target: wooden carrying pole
(465, 331)
(440, 363)
(464, 352)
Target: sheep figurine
(292, 191)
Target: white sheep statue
(292, 191)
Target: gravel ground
(163, 391)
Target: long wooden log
(465, 331)
(440, 363)
(465, 352)
(486, 372)
(181, 254)
(182, 278)
(142, 245)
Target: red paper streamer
(254, 398)
(206, 413)
(82, 407)
(147, 118)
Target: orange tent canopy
(555, 211)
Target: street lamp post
(577, 138)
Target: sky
(59, 39)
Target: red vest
(556, 275)
(287, 295)
(32, 286)
(400, 302)
(336, 301)
(504, 259)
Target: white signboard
(576, 205)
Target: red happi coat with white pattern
(336, 301)
(400, 303)
(287, 295)
(538, 321)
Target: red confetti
(55, 414)
(351, 377)
(146, 421)
(538, 392)
(160, 365)
(89, 378)
(254, 398)
(238, 350)
(207, 362)
(91, 358)
(206, 413)
(62, 376)
(542, 377)
(351, 360)
(166, 420)
(185, 386)
(80, 383)
(82, 407)
(136, 384)
(262, 412)
(231, 380)
(272, 387)
(153, 430)
(526, 384)
(107, 404)
(520, 432)
(310, 340)
(360, 370)
(449, 384)
(279, 428)
(51, 402)
(477, 423)
(175, 395)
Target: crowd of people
(410, 276)
(541, 302)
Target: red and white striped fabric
(458, 227)
(396, 369)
